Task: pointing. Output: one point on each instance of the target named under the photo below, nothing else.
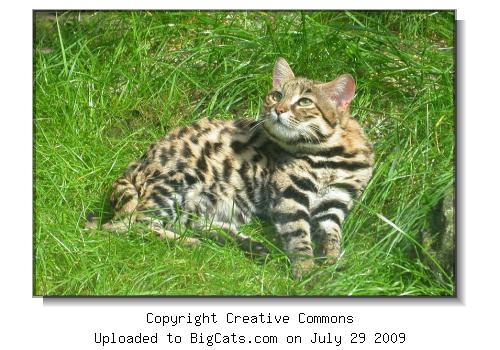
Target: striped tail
(124, 200)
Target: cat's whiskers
(259, 123)
(313, 135)
(306, 133)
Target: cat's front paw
(331, 253)
(191, 242)
(301, 268)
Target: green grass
(108, 84)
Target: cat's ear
(340, 91)
(281, 72)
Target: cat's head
(299, 110)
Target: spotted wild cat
(301, 165)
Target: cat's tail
(124, 201)
(92, 221)
(124, 198)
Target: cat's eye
(276, 96)
(304, 101)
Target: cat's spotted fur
(301, 166)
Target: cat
(300, 165)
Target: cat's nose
(280, 109)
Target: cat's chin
(280, 131)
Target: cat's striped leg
(326, 218)
(222, 232)
(121, 225)
(155, 225)
(158, 228)
(291, 219)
